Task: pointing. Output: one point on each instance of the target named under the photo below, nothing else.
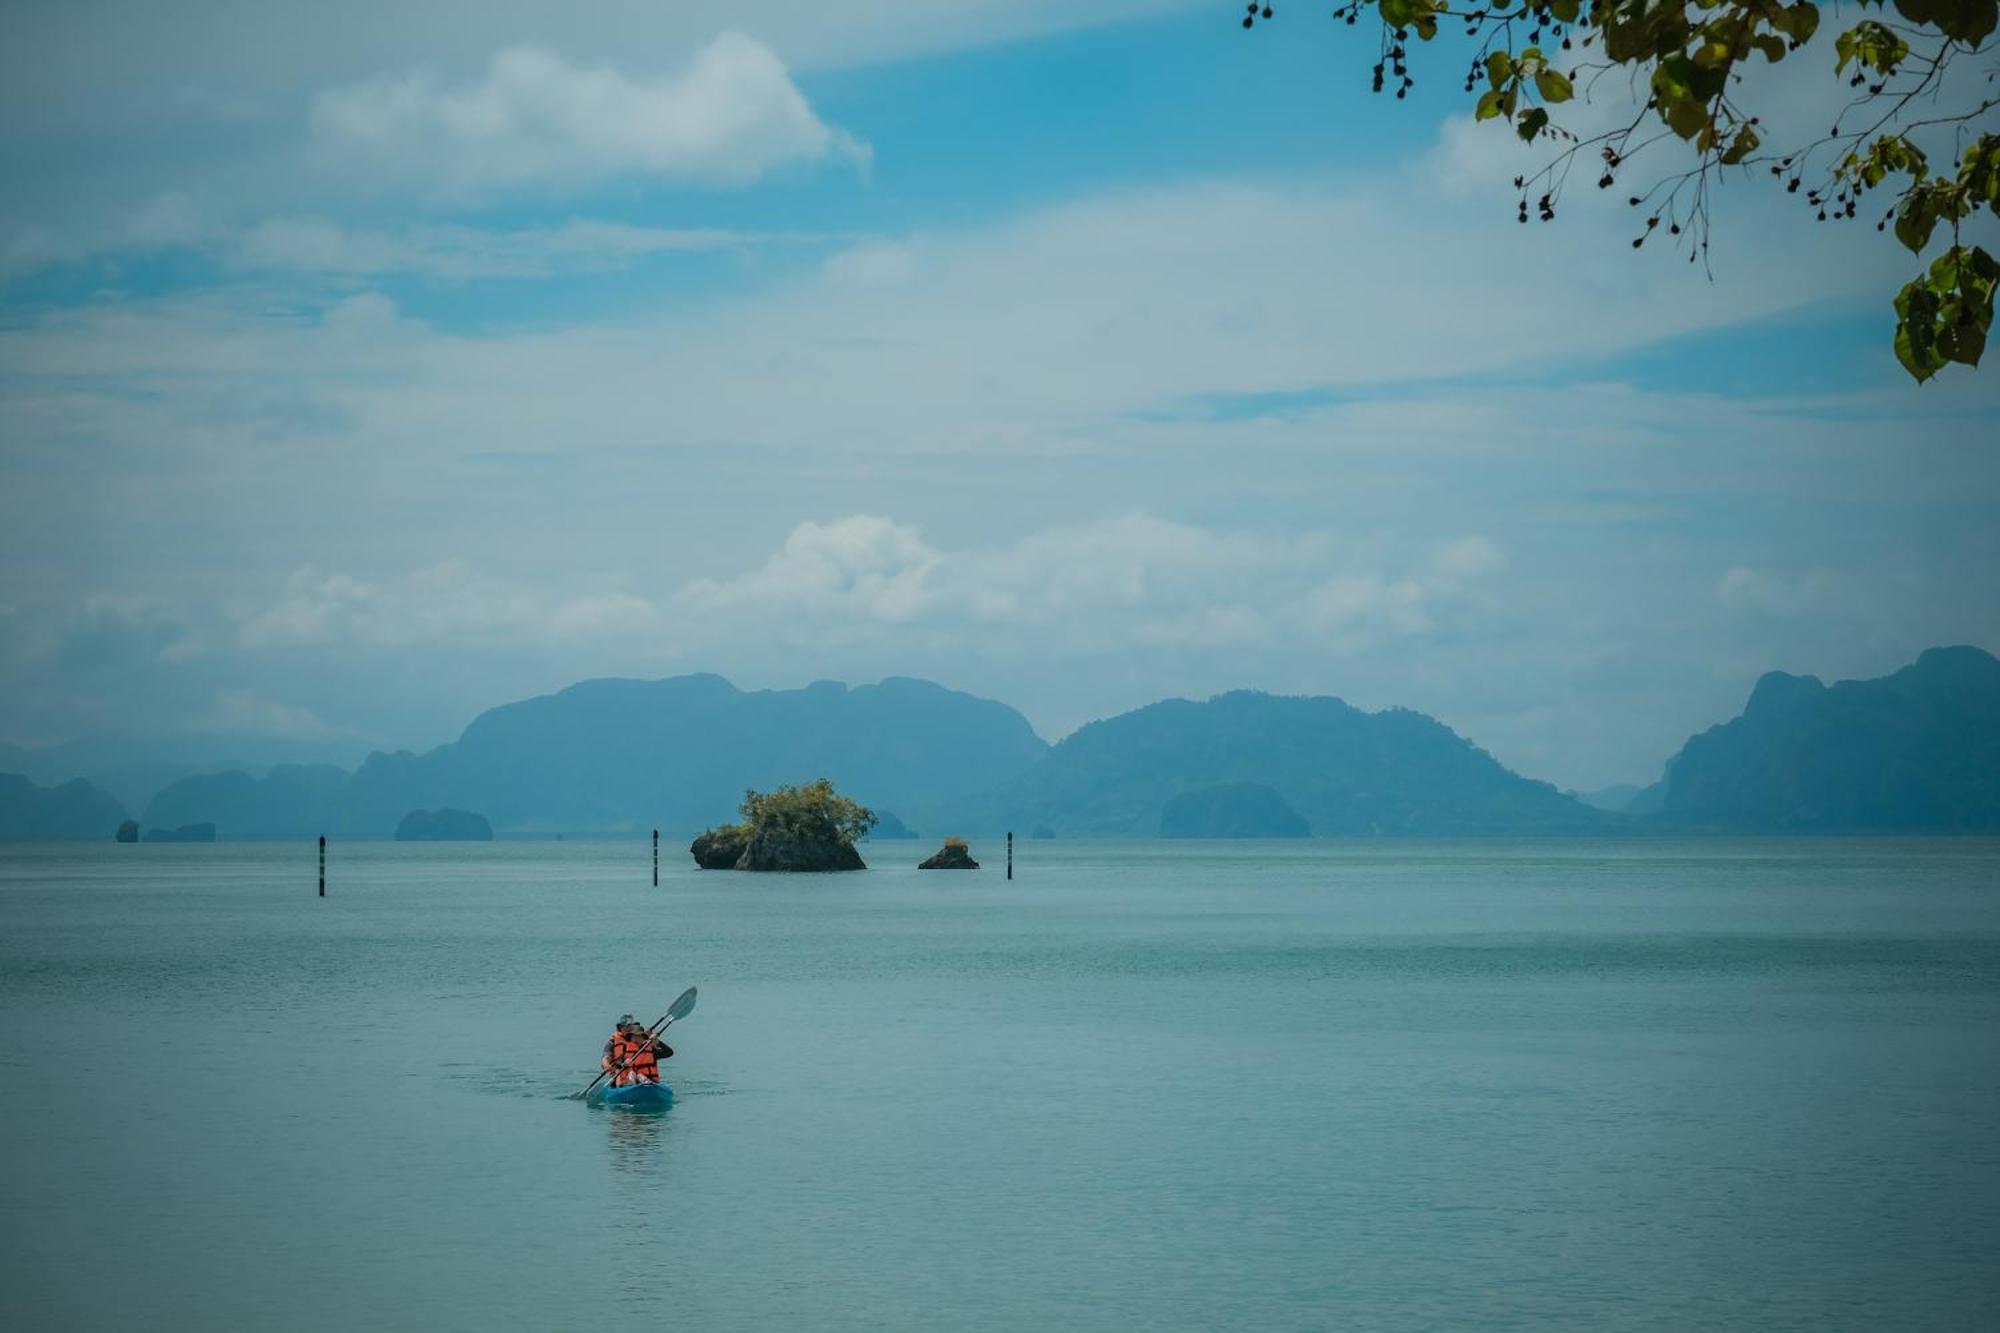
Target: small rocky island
(444, 826)
(954, 855)
(808, 828)
(1232, 810)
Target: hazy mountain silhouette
(291, 801)
(1617, 798)
(677, 754)
(1342, 770)
(68, 812)
(1915, 751)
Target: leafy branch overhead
(1685, 62)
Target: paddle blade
(683, 1006)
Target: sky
(363, 367)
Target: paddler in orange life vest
(630, 1041)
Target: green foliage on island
(815, 810)
(956, 854)
(809, 827)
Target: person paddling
(633, 1054)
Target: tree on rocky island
(954, 855)
(1924, 140)
(810, 827)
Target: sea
(1396, 1085)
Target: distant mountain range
(1917, 751)
(72, 810)
(1342, 770)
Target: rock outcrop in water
(806, 828)
(444, 826)
(720, 848)
(1232, 810)
(798, 850)
(954, 855)
(128, 831)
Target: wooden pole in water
(656, 858)
(1010, 854)
(322, 865)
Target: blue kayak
(632, 1094)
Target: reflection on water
(636, 1137)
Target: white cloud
(1742, 589)
(319, 245)
(731, 115)
(166, 221)
(167, 62)
(1469, 558)
(308, 245)
(1083, 588)
(445, 604)
(1101, 575)
(859, 566)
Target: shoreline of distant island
(1916, 752)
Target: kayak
(632, 1094)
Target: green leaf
(1744, 144)
(1922, 364)
(1872, 45)
(1686, 117)
(1962, 340)
(1489, 105)
(1553, 87)
(1398, 13)
(1946, 314)
(1799, 21)
(1531, 124)
(1499, 69)
(1967, 21)
(1915, 220)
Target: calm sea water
(1745, 1085)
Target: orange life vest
(639, 1049)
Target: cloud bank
(730, 116)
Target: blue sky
(362, 369)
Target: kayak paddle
(681, 1009)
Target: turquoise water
(1744, 1085)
